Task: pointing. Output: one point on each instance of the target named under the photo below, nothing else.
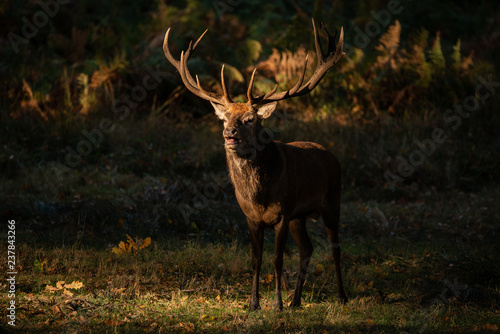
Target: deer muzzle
(232, 138)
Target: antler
(324, 63)
(187, 78)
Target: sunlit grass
(422, 258)
(400, 275)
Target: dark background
(100, 140)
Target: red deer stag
(277, 185)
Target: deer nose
(230, 132)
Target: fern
(424, 68)
(84, 98)
(234, 73)
(287, 65)
(461, 63)
(389, 45)
(355, 58)
(436, 55)
(390, 40)
(254, 50)
(421, 38)
(456, 56)
(467, 61)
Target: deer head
(242, 125)
(242, 121)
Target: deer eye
(248, 121)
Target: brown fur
(280, 185)
(277, 185)
(238, 108)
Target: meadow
(115, 176)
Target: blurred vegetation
(369, 110)
(101, 143)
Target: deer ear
(220, 110)
(266, 110)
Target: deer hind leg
(331, 218)
(299, 234)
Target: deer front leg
(281, 234)
(257, 237)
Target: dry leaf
(46, 322)
(131, 243)
(56, 309)
(145, 243)
(67, 293)
(51, 289)
(189, 327)
(74, 285)
(118, 290)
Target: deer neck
(252, 170)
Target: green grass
(402, 267)
(418, 259)
(421, 257)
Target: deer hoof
(254, 307)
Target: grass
(418, 257)
(402, 267)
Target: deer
(277, 185)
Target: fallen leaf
(68, 293)
(29, 297)
(130, 244)
(74, 285)
(51, 289)
(45, 323)
(145, 243)
(56, 309)
(269, 278)
(118, 290)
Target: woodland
(117, 212)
